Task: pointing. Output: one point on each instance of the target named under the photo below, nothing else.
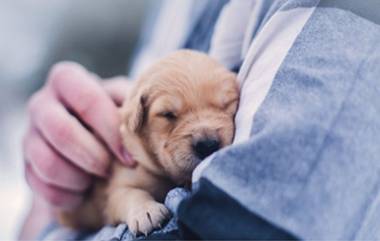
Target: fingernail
(126, 155)
(127, 158)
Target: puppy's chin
(180, 166)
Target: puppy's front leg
(137, 208)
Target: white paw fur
(147, 217)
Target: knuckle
(44, 160)
(83, 100)
(34, 153)
(34, 101)
(61, 71)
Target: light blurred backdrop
(34, 35)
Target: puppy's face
(187, 105)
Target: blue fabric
(312, 164)
(202, 31)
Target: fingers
(66, 134)
(55, 196)
(81, 93)
(51, 167)
(118, 88)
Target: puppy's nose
(205, 147)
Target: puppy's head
(183, 108)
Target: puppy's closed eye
(230, 102)
(228, 105)
(169, 115)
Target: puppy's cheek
(169, 158)
(227, 133)
(180, 156)
(165, 156)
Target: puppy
(179, 111)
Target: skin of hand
(73, 134)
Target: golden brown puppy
(178, 112)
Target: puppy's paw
(147, 217)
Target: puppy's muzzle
(205, 146)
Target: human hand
(73, 134)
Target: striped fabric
(306, 157)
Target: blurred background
(101, 35)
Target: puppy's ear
(134, 111)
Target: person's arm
(73, 133)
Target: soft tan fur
(182, 98)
